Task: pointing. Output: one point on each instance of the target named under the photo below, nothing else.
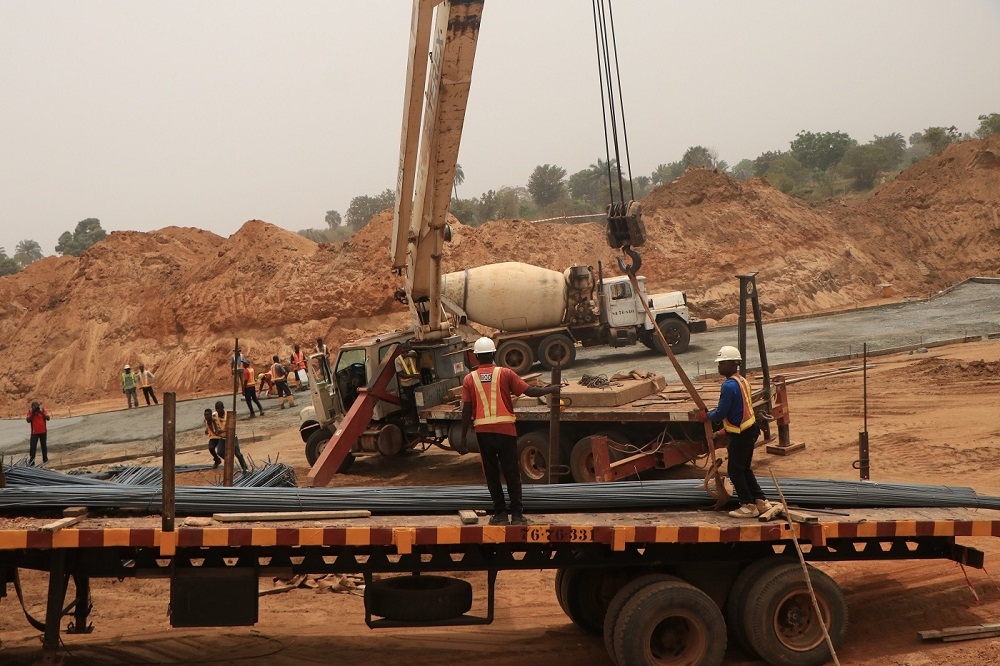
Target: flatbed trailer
(661, 587)
(654, 432)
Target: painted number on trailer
(551, 533)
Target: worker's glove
(701, 415)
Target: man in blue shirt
(735, 410)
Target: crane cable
(604, 35)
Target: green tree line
(87, 233)
(816, 165)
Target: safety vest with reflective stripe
(748, 416)
(493, 410)
(298, 361)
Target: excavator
(360, 406)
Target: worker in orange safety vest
(487, 403)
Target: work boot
(517, 518)
(745, 511)
(499, 518)
(217, 463)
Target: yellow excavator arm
(443, 38)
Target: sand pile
(176, 298)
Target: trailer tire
(516, 355)
(781, 624)
(618, 602)
(317, 443)
(737, 600)
(307, 428)
(675, 332)
(581, 458)
(556, 350)
(670, 623)
(418, 598)
(533, 456)
(585, 594)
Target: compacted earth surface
(928, 422)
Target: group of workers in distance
(487, 405)
(132, 381)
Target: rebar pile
(655, 495)
(271, 475)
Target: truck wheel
(670, 623)
(307, 429)
(586, 593)
(556, 350)
(781, 624)
(533, 456)
(581, 460)
(676, 333)
(737, 599)
(516, 355)
(418, 598)
(618, 602)
(317, 443)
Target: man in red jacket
(37, 416)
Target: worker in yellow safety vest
(735, 411)
(487, 403)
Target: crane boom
(428, 151)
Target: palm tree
(459, 178)
(26, 252)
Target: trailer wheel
(533, 456)
(516, 355)
(556, 350)
(618, 602)
(581, 459)
(781, 623)
(418, 598)
(676, 333)
(585, 594)
(317, 443)
(670, 623)
(307, 429)
(737, 599)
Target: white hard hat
(728, 353)
(127, 367)
(484, 346)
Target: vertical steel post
(169, 458)
(554, 424)
(230, 457)
(864, 462)
(54, 603)
(741, 329)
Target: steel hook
(632, 268)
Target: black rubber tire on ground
(533, 457)
(516, 355)
(560, 573)
(737, 599)
(556, 350)
(418, 598)
(618, 602)
(781, 624)
(581, 458)
(586, 593)
(649, 339)
(670, 623)
(317, 442)
(676, 333)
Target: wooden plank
(63, 522)
(972, 630)
(784, 450)
(289, 515)
(801, 516)
(774, 512)
(74, 511)
(468, 517)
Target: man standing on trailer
(735, 410)
(486, 395)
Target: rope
(597, 381)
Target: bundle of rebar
(647, 495)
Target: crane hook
(632, 268)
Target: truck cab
(623, 312)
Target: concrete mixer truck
(541, 314)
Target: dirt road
(929, 423)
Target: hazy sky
(148, 114)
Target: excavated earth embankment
(176, 298)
